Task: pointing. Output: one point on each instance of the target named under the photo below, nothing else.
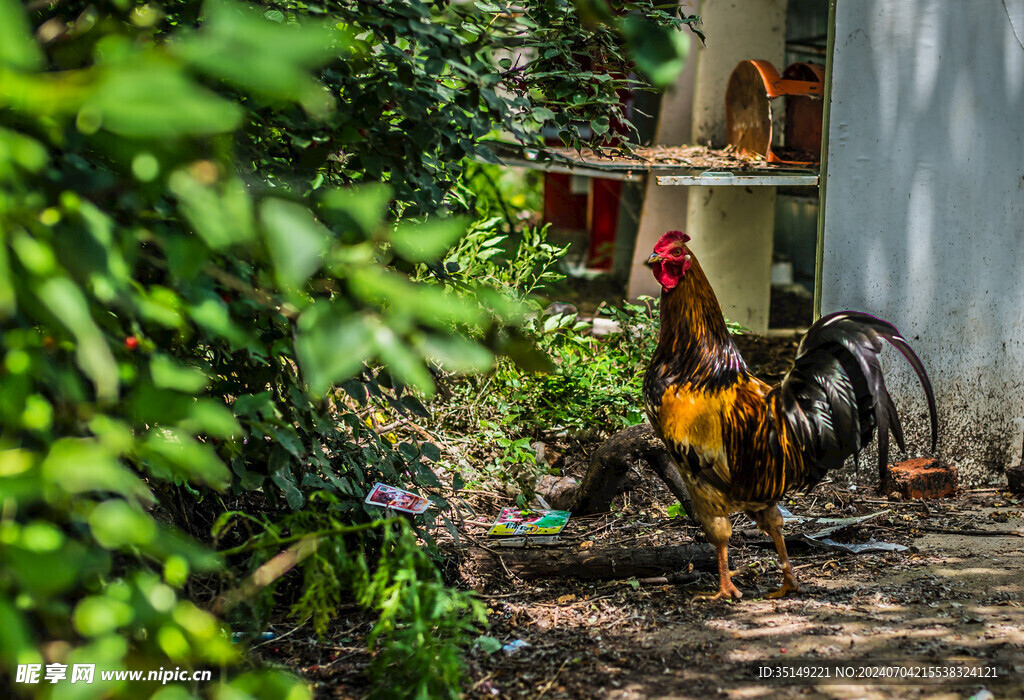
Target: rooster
(741, 444)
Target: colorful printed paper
(390, 497)
(517, 521)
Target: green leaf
(78, 466)
(161, 305)
(98, 615)
(427, 304)
(53, 572)
(41, 536)
(428, 241)
(289, 439)
(488, 644)
(363, 206)
(168, 373)
(152, 99)
(186, 255)
(180, 453)
(15, 638)
(18, 150)
(211, 417)
(17, 47)
(660, 52)
(8, 298)
(331, 346)
(65, 301)
(115, 524)
(523, 352)
(259, 406)
(212, 315)
(543, 114)
(221, 212)
(456, 353)
(404, 364)
(258, 55)
(285, 480)
(250, 481)
(413, 404)
(296, 240)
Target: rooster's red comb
(670, 243)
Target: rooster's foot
(724, 591)
(789, 585)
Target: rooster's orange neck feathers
(695, 341)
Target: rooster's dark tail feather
(834, 396)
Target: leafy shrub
(595, 387)
(168, 330)
(198, 243)
(418, 617)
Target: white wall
(924, 207)
(731, 227)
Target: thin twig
(574, 604)
(477, 523)
(280, 636)
(266, 574)
(494, 553)
(41, 4)
(553, 678)
(483, 680)
(816, 563)
(342, 530)
(970, 532)
(258, 295)
(493, 494)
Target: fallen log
(608, 469)
(596, 562)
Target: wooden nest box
(749, 96)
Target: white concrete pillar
(731, 227)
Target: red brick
(923, 477)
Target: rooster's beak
(653, 259)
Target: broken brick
(923, 477)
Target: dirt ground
(954, 594)
(949, 596)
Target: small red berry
(131, 342)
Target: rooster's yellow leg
(770, 520)
(726, 588)
(719, 530)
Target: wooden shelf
(718, 179)
(672, 166)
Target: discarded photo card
(390, 497)
(516, 521)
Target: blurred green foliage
(209, 215)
